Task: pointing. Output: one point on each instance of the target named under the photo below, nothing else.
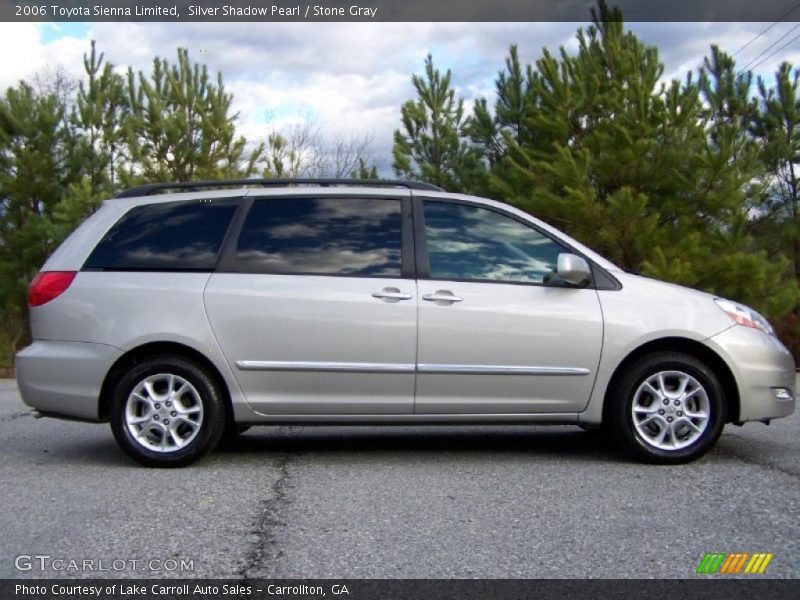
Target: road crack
(265, 547)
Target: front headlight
(744, 315)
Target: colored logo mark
(734, 563)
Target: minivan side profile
(183, 312)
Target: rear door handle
(442, 296)
(391, 294)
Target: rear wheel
(668, 408)
(167, 412)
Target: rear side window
(326, 236)
(174, 236)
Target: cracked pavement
(386, 502)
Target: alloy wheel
(164, 412)
(670, 410)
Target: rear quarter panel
(129, 309)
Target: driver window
(472, 243)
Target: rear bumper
(761, 366)
(64, 379)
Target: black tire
(205, 392)
(620, 419)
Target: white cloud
(21, 40)
(27, 53)
(349, 76)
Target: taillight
(48, 285)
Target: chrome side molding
(499, 370)
(425, 369)
(323, 367)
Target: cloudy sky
(353, 77)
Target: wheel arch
(693, 348)
(148, 350)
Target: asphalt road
(393, 502)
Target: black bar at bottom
(702, 588)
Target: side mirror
(573, 269)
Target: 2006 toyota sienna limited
(184, 312)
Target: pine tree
(364, 170)
(99, 110)
(487, 129)
(37, 163)
(656, 176)
(777, 127)
(283, 159)
(596, 145)
(180, 126)
(95, 123)
(431, 146)
(733, 158)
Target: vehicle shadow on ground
(545, 442)
(383, 443)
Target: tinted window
(344, 236)
(468, 242)
(172, 236)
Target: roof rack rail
(151, 188)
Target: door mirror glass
(573, 269)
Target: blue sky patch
(54, 31)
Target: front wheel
(167, 412)
(668, 408)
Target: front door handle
(391, 294)
(442, 296)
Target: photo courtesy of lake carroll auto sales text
(399, 300)
(179, 590)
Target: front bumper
(761, 365)
(64, 379)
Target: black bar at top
(392, 10)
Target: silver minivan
(184, 312)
